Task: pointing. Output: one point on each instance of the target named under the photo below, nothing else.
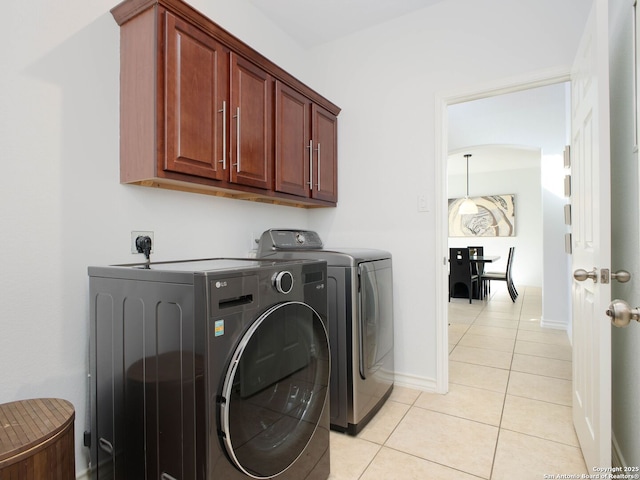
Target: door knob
(581, 275)
(622, 276)
(621, 313)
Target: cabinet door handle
(318, 184)
(224, 135)
(310, 147)
(237, 117)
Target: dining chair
(477, 268)
(460, 271)
(504, 276)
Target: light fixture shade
(468, 207)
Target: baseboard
(416, 382)
(554, 324)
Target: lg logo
(220, 284)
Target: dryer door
(375, 335)
(275, 389)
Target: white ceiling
(313, 22)
(492, 158)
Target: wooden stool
(36, 440)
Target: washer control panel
(290, 239)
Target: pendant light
(468, 206)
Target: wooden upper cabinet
(251, 125)
(306, 162)
(293, 136)
(201, 111)
(197, 99)
(325, 144)
(212, 130)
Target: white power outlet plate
(137, 233)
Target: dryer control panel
(289, 239)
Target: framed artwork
(495, 217)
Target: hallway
(507, 414)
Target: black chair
(504, 276)
(460, 271)
(477, 268)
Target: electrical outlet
(253, 241)
(138, 233)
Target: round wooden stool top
(26, 426)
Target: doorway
(510, 101)
(495, 346)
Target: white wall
(63, 209)
(386, 79)
(557, 278)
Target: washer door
(275, 389)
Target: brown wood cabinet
(197, 96)
(306, 147)
(251, 128)
(306, 160)
(201, 111)
(293, 141)
(325, 134)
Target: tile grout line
(384, 444)
(506, 390)
(504, 398)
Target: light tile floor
(507, 414)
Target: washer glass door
(275, 389)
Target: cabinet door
(251, 124)
(293, 150)
(196, 96)
(325, 152)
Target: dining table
(484, 258)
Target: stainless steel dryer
(360, 297)
(210, 369)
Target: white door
(591, 232)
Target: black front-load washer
(210, 369)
